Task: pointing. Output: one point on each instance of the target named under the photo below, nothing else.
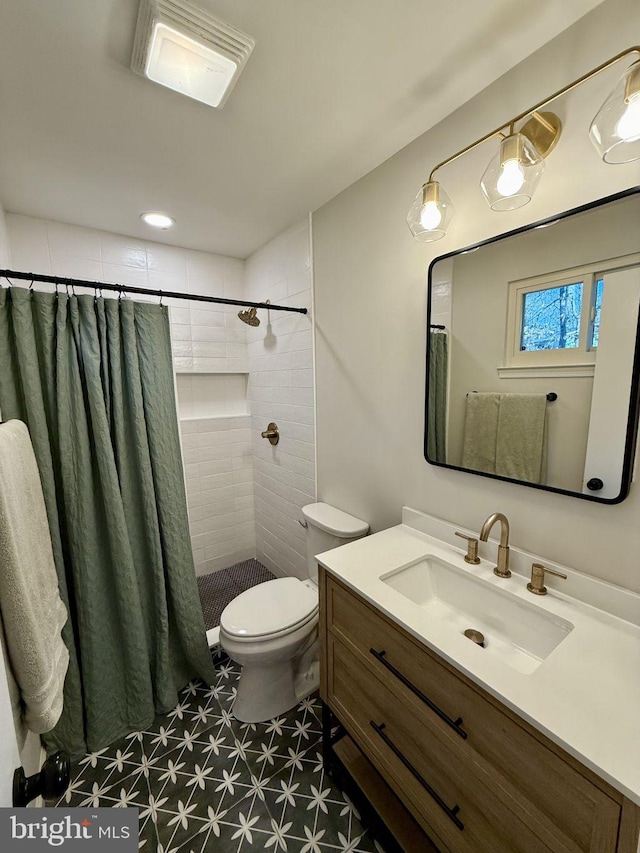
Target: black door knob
(595, 484)
(51, 782)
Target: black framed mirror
(533, 353)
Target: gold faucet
(538, 571)
(502, 569)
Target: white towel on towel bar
(32, 612)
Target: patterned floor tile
(307, 802)
(245, 827)
(130, 792)
(147, 836)
(204, 782)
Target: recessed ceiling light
(157, 220)
(188, 50)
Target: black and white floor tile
(205, 783)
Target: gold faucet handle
(472, 549)
(272, 433)
(538, 571)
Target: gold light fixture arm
(542, 119)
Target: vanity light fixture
(430, 212)
(157, 220)
(511, 177)
(615, 131)
(188, 50)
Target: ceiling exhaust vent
(188, 50)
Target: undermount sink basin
(518, 633)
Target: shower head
(249, 316)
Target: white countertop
(585, 696)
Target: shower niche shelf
(210, 395)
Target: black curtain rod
(125, 288)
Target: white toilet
(271, 630)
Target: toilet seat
(270, 610)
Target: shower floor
(219, 588)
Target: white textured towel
(32, 612)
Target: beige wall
(5, 254)
(9, 758)
(370, 309)
(30, 754)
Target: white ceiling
(332, 89)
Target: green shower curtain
(92, 378)
(437, 402)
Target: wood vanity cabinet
(475, 777)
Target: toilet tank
(327, 528)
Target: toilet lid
(269, 608)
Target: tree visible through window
(551, 318)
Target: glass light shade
(510, 179)
(430, 213)
(615, 131)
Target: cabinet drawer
(456, 809)
(478, 733)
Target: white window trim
(562, 371)
(574, 362)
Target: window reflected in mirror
(533, 353)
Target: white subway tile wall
(281, 389)
(207, 337)
(219, 479)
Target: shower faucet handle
(472, 549)
(272, 433)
